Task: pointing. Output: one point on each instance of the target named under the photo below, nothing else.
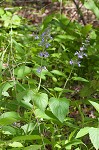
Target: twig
(79, 12)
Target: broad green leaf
(8, 130)
(79, 79)
(83, 132)
(90, 4)
(86, 29)
(57, 72)
(15, 144)
(93, 35)
(26, 104)
(96, 105)
(4, 87)
(4, 93)
(7, 121)
(40, 114)
(59, 107)
(1, 11)
(94, 137)
(10, 114)
(22, 71)
(40, 100)
(33, 147)
(16, 20)
(25, 95)
(27, 137)
(28, 127)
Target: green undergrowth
(49, 83)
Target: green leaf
(10, 114)
(79, 79)
(27, 137)
(64, 37)
(40, 100)
(73, 142)
(1, 11)
(28, 127)
(57, 72)
(22, 71)
(58, 89)
(7, 121)
(33, 147)
(90, 4)
(86, 29)
(16, 144)
(96, 105)
(93, 35)
(59, 107)
(83, 132)
(41, 114)
(8, 130)
(94, 137)
(16, 20)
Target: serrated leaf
(96, 105)
(40, 100)
(82, 132)
(59, 107)
(94, 137)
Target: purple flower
(79, 63)
(80, 54)
(44, 54)
(36, 37)
(71, 62)
(39, 70)
(82, 48)
(47, 45)
(41, 54)
(75, 62)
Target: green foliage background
(50, 108)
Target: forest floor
(35, 11)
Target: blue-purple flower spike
(39, 70)
(43, 54)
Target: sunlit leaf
(96, 105)
(40, 100)
(83, 132)
(59, 107)
(16, 144)
(94, 137)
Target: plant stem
(66, 81)
(79, 12)
(40, 76)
